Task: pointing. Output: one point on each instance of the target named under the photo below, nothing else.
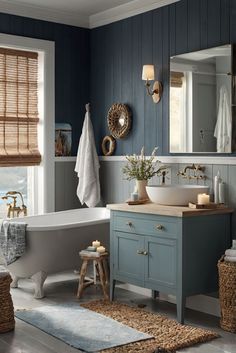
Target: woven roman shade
(176, 79)
(18, 108)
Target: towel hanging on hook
(87, 165)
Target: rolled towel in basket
(230, 258)
(230, 252)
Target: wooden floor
(62, 288)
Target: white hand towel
(230, 252)
(87, 165)
(2, 259)
(223, 128)
(230, 258)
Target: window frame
(43, 176)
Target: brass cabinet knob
(159, 227)
(129, 224)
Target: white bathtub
(53, 242)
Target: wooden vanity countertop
(173, 211)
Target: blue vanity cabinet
(168, 254)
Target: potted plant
(142, 168)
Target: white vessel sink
(175, 195)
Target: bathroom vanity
(169, 249)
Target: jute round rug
(168, 334)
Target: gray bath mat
(81, 328)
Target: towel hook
(87, 107)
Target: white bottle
(222, 192)
(234, 244)
(217, 181)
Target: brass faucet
(196, 175)
(12, 209)
(162, 172)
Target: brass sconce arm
(149, 91)
(148, 75)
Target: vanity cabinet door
(160, 262)
(128, 260)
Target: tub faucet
(12, 209)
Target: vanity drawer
(144, 226)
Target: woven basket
(227, 284)
(7, 321)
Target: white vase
(141, 189)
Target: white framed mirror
(200, 101)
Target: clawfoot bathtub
(53, 242)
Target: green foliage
(141, 167)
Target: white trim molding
(65, 159)
(165, 159)
(129, 9)
(19, 8)
(181, 159)
(117, 13)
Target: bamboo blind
(18, 108)
(176, 79)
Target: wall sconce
(149, 75)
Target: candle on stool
(101, 249)
(96, 243)
(203, 199)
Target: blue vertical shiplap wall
(119, 50)
(72, 56)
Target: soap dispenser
(222, 192)
(217, 181)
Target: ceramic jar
(141, 189)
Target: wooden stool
(101, 264)
(7, 321)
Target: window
(15, 179)
(40, 179)
(177, 111)
(18, 108)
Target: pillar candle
(101, 249)
(203, 199)
(96, 243)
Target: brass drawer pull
(129, 224)
(159, 227)
(141, 252)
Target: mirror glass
(122, 120)
(200, 101)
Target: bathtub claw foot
(14, 283)
(39, 279)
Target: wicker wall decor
(227, 293)
(108, 145)
(119, 120)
